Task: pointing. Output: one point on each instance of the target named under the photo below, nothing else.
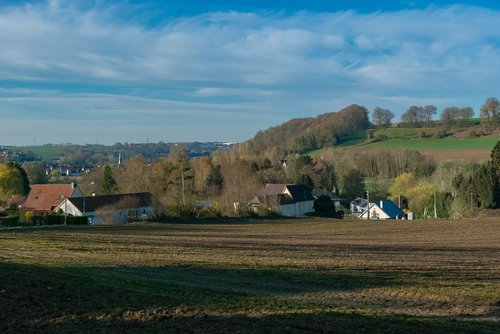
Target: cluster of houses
(44, 199)
(290, 200)
(293, 200)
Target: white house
(123, 207)
(291, 200)
(384, 209)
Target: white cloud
(274, 66)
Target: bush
(324, 204)
(9, 221)
(441, 134)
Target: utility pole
(65, 212)
(435, 208)
(368, 199)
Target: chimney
(382, 205)
(72, 185)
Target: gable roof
(93, 203)
(321, 192)
(289, 193)
(300, 192)
(45, 197)
(274, 189)
(389, 207)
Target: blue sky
(131, 71)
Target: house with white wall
(290, 200)
(385, 209)
(116, 208)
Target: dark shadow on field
(160, 224)
(193, 300)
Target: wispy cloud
(228, 66)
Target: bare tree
(382, 117)
(428, 113)
(489, 112)
(411, 117)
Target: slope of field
(475, 148)
(291, 276)
(44, 152)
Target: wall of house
(375, 213)
(121, 216)
(297, 209)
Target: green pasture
(45, 152)
(443, 144)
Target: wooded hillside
(305, 134)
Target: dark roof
(390, 208)
(297, 192)
(93, 203)
(320, 192)
(300, 192)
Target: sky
(135, 71)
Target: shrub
(9, 221)
(441, 134)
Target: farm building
(291, 200)
(114, 208)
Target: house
(116, 208)
(384, 209)
(44, 198)
(358, 206)
(291, 200)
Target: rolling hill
(350, 130)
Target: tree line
(179, 183)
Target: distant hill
(94, 154)
(305, 134)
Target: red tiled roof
(45, 197)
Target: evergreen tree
(495, 162)
(215, 180)
(109, 185)
(25, 182)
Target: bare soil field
(244, 276)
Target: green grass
(45, 152)
(446, 143)
(402, 138)
(290, 276)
